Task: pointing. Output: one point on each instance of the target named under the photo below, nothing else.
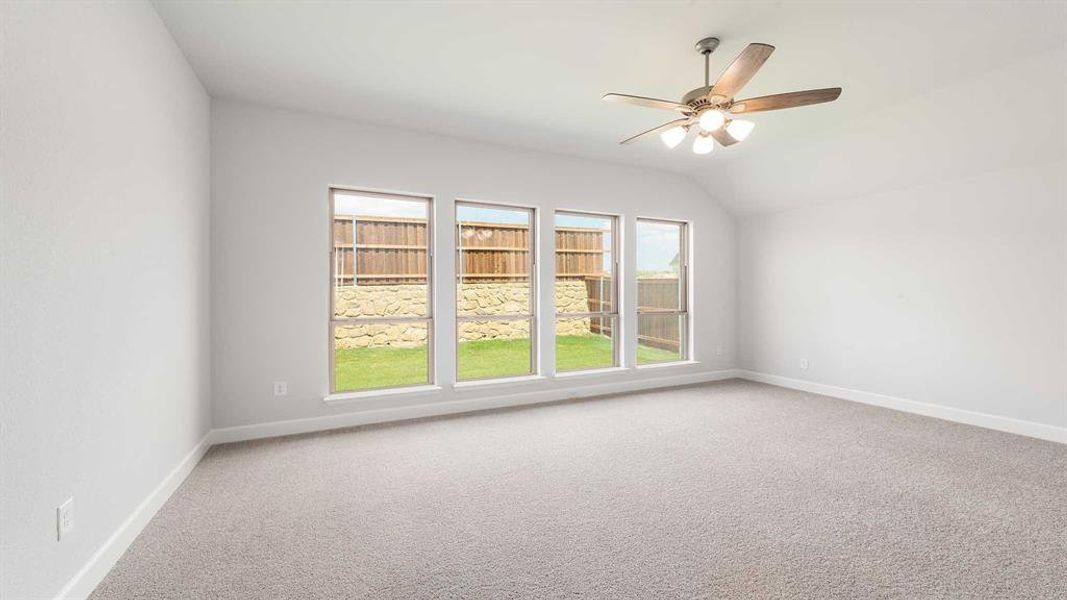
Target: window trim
(685, 333)
(535, 289)
(431, 275)
(616, 291)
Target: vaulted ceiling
(929, 88)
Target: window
(586, 292)
(496, 291)
(381, 322)
(662, 274)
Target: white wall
(952, 293)
(921, 249)
(105, 312)
(270, 224)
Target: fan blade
(741, 71)
(663, 127)
(724, 138)
(646, 102)
(789, 100)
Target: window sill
(495, 382)
(680, 363)
(349, 397)
(592, 372)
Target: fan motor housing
(698, 99)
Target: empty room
(533, 299)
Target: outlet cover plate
(64, 518)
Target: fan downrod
(695, 99)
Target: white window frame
(616, 290)
(428, 319)
(685, 352)
(531, 265)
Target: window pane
(493, 268)
(660, 255)
(584, 263)
(380, 252)
(378, 355)
(660, 338)
(584, 343)
(491, 349)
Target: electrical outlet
(804, 364)
(64, 519)
(281, 388)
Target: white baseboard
(96, 568)
(434, 409)
(958, 415)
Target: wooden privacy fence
(652, 293)
(392, 250)
(493, 252)
(580, 254)
(660, 331)
(657, 293)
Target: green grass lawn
(368, 368)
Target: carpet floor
(725, 490)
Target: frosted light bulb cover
(673, 136)
(711, 120)
(703, 144)
(739, 129)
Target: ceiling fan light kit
(712, 106)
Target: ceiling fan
(712, 106)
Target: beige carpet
(727, 490)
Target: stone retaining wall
(476, 298)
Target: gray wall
(270, 221)
(104, 350)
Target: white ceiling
(531, 74)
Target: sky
(657, 243)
